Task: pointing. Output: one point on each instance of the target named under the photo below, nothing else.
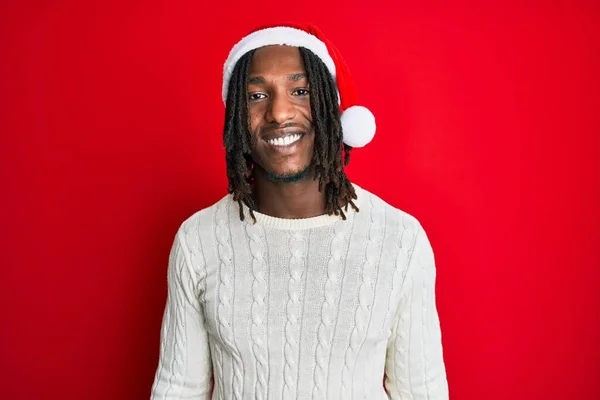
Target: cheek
(306, 113)
(255, 117)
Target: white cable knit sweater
(316, 308)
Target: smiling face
(280, 114)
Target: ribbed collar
(305, 223)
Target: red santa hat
(358, 123)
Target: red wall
(488, 132)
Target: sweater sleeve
(184, 368)
(414, 361)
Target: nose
(281, 108)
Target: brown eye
(256, 96)
(301, 92)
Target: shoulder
(203, 221)
(369, 202)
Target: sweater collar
(304, 223)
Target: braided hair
(328, 148)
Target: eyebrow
(297, 77)
(257, 80)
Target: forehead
(276, 59)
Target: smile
(285, 141)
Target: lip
(283, 133)
(287, 149)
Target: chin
(289, 176)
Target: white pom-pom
(358, 126)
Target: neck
(295, 200)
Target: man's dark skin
(279, 105)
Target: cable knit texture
(297, 243)
(314, 308)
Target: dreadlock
(328, 149)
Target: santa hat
(358, 123)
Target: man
(298, 284)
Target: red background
(488, 132)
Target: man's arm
(184, 370)
(414, 363)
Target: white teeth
(284, 141)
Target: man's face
(280, 116)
